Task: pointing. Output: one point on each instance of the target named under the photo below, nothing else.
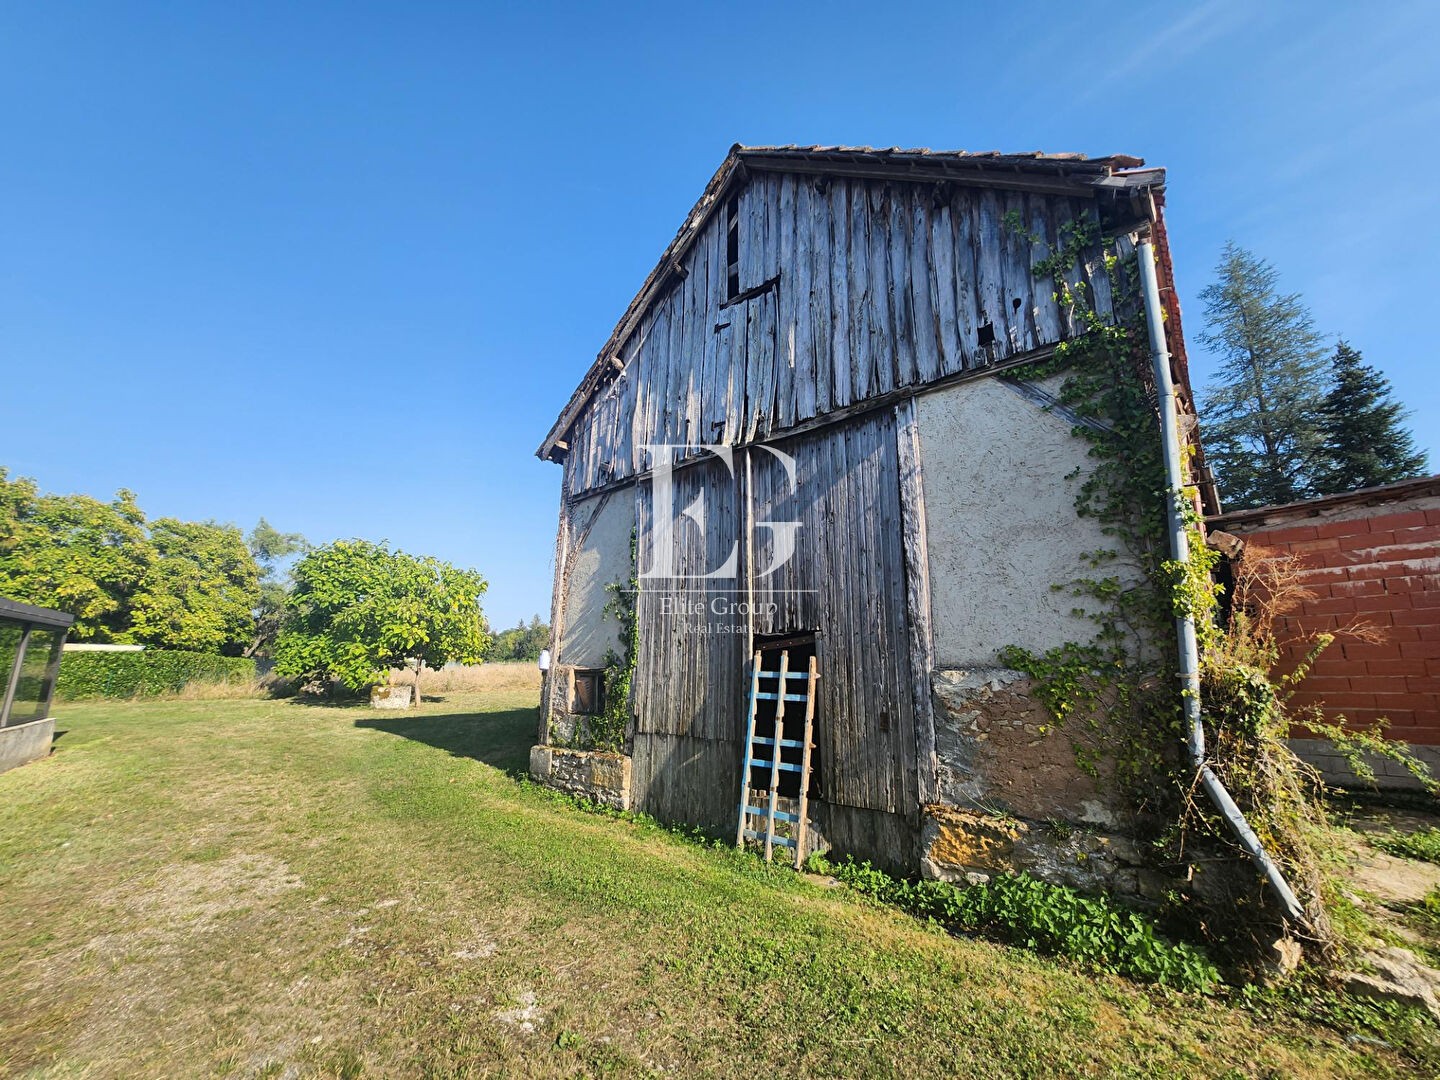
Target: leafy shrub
(359, 610)
(1021, 910)
(1423, 845)
(144, 674)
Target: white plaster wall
(1002, 527)
(603, 559)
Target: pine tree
(1365, 443)
(1262, 416)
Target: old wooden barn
(815, 423)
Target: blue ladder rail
(784, 841)
(785, 766)
(765, 817)
(790, 744)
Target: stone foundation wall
(562, 725)
(967, 846)
(1389, 775)
(594, 774)
(998, 749)
(1013, 797)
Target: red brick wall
(1377, 565)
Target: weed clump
(1423, 845)
(1018, 909)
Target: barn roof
(1060, 174)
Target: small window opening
(801, 647)
(732, 248)
(986, 335)
(587, 692)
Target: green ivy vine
(1120, 681)
(607, 731)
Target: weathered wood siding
(680, 779)
(688, 680)
(845, 580)
(881, 285)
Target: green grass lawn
(262, 888)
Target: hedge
(144, 674)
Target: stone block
(593, 774)
(965, 846)
(391, 697)
(997, 746)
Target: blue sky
(341, 264)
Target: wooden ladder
(769, 813)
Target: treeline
(523, 641)
(1290, 416)
(192, 585)
(345, 612)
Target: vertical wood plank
(942, 289)
(749, 749)
(990, 283)
(925, 320)
(967, 291)
(901, 297)
(858, 260)
(1047, 310)
(917, 594)
(1096, 273)
(839, 199)
(714, 381)
(786, 300)
(802, 285)
(1019, 289)
(882, 345)
(821, 285)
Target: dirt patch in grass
(196, 894)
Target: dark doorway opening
(798, 649)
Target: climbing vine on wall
(1121, 682)
(607, 730)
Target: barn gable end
(836, 342)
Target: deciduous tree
(520, 642)
(74, 553)
(271, 549)
(359, 610)
(200, 591)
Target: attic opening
(799, 647)
(732, 247)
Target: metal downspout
(1185, 624)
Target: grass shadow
(501, 739)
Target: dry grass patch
(507, 677)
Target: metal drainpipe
(1185, 624)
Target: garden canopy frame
(31, 640)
